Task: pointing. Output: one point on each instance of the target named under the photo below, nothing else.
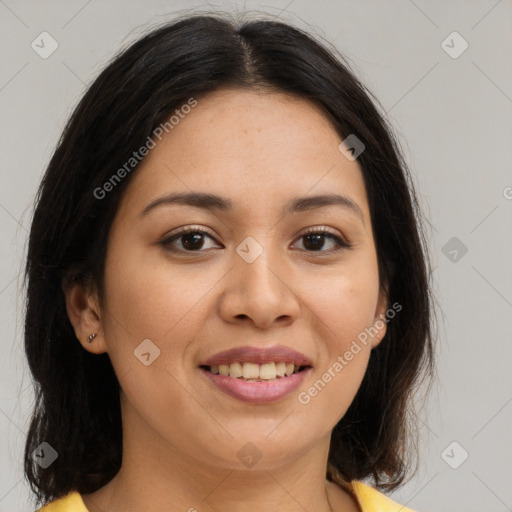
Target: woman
(228, 295)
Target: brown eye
(192, 240)
(315, 241)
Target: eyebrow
(214, 202)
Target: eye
(314, 240)
(192, 240)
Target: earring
(91, 337)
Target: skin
(181, 434)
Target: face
(295, 280)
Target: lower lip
(257, 392)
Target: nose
(260, 292)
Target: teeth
(281, 369)
(253, 371)
(268, 371)
(235, 370)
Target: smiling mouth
(253, 372)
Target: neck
(159, 476)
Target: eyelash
(166, 243)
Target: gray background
(453, 116)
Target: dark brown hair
(77, 409)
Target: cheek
(330, 394)
(343, 361)
(344, 303)
(150, 300)
(156, 303)
(343, 308)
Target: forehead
(258, 148)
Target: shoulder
(372, 500)
(72, 502)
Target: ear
(83, 310)
(379, 326)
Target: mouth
(254, 372)
(257, 375)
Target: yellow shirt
(368, 498)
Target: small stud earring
(91, 337)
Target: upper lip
(250, 354)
